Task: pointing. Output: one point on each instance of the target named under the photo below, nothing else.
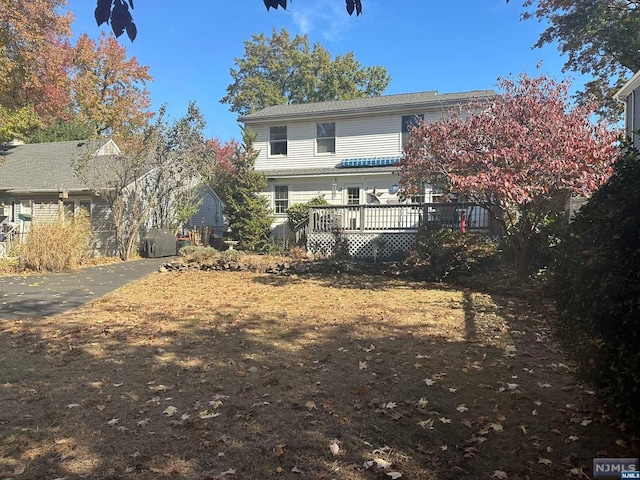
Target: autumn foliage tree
(109, 88)
(35, 58)
(521, 153)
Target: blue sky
(445, 45)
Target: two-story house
(629, 95)
(345, 151)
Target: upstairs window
(281, 198)
(278, 140)
(408, 122)
(325, 137)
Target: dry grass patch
(204, 375)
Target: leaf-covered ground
(235, 375)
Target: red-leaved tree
(522, 154)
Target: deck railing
(400, 217)
(462, 216)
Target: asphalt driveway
(43, 295)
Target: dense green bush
(440, 253)
(299, 212)
(596, 282)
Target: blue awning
(369, 162)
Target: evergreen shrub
(596, 283)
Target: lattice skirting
(364, 245)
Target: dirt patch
(240, 375)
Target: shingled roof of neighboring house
(42, 166)
(379, 104)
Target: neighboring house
(209, 213)
(629, 95)
(345, 151)
(38, 183)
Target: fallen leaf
(462, 408)
(362, 365)
(113, 421)
(544, 385)
(500, 474)
(381, 463)
(422, 403)
(453, 390)
(185, 416)
(578, 471)
(497, 427)
(278, 450)
(544, 461)
(426, 424)
(311, 405)
(334, 447)
(429, 382)
(394, 474)
(391, 405)
(445, 420)
(170, 411)
(510, 386)
(297, 470)
(206, 414)
(73, 405)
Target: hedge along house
(347, 152)
(38, 183)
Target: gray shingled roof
(40, 166)
(384, 103)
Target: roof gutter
(46, 190)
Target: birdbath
(230, 243)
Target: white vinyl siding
(365, 137)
